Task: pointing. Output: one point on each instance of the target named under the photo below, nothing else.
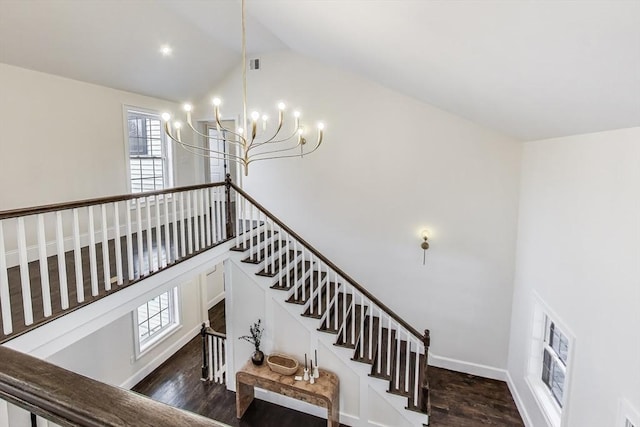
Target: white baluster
(196, 217)
(24, 273)
(149, 230)
(166, 249)
(116, 241)
(140, 237)
(174, 222)
(5, 296)
(158, 222)
(62, 265)
(353, 316)
(251, 230)
(389, 346)
(183, 225)
(189, 223)
(223, 212)
(77, 253)
(362, 312)
(44, 267)
(319, 279)
(201, 230)
(238, 219)
(217, 225)
(398, 339)
(207, 216)
(197, 211)
(335, 297)
(407, 359)
(210, 357)
(106, 263)
(370, 330)
(417, 377)
(129, 241)
(344, 313)
(379, 352)
(93, 262)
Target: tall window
(554, 360)
(149, 154)
(155, 319)
(550, 361)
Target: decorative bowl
(282, 364)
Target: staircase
(392, 351)
(59, 258)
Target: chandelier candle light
(277, 142)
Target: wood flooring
(457, 399)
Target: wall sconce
(424, 245)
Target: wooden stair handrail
(13, 213)
(70, 399)
(348, 278)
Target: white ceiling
(531, 69)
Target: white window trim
(141, 350)
(169, 154)
(554, 414)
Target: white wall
(63, 140)
(578, 249)
(391, 165)
(108, 355)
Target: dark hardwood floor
(457, 400)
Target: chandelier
(255, 139)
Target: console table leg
(244, 397)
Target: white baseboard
(468, 367)
(160, 359)
(522, 409)
(215, 300)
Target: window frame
(142, 347)
(555, 412)
(167, 151)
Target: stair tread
(352, 327)
(256, 240)
(259, 256)
(288, 281)
(328, 324)
(277, 264)
(371, 330)
(384, 355)
(399, 388)
(324, 298)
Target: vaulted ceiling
(531, 69)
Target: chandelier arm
(280, 150)
(213, 137)
(284, 157)
(241, 137)
(184, 145)
(280, 123)
(224, 156)
(272, 141)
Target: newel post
(424, 380)
(205, 356)
(229, 225)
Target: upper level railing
(69, 399)
(57, 258)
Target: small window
(549, 362)
(155, 319)
(149, 154)
(554, 362)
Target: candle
(316, 357)
(305, 361)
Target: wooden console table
(325, 392)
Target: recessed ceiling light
(165, 50)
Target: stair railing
(301, 259)
(57, 258)
(214, 363)
(70, 399)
